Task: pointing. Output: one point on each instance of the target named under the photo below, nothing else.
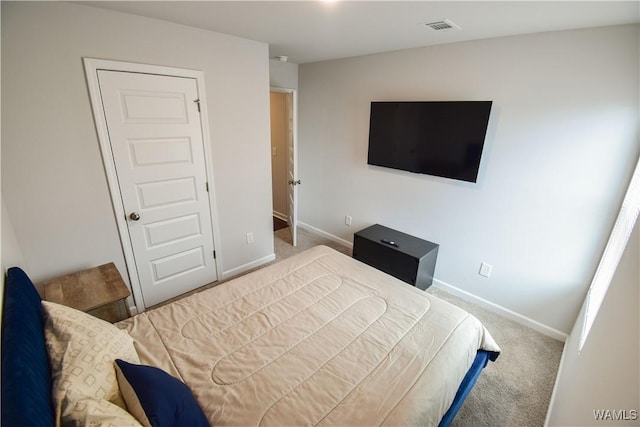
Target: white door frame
(294, 93)
(91, 71)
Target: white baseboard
(552, 401)
(325, 234)
(502, 311)
(280, 216)
(247, 266)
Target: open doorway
(284, 179)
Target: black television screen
(442, 138)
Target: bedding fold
(318, 338)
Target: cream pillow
(82, 349)
(98, 413)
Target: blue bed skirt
(469, 380)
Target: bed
(315, 339)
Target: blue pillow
(26, 375)
(156, 398)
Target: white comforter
(318, 338)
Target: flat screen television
(441, 138)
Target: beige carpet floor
(513, 391)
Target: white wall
(606, 373)
(559, 152)
(283, 74)
(53, 180)
(11, 251)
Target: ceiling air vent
(442, 25)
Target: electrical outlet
(485, 270)
(249, 238)
(274, 151)
(347, 220)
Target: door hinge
(197, 101)
(214, 254)
(206, 184)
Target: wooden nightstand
(95, 291)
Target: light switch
(485, 270)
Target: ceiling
(311, 31)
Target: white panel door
(292, 193)
(156, 141)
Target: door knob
(134, 216)
(292, 182)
